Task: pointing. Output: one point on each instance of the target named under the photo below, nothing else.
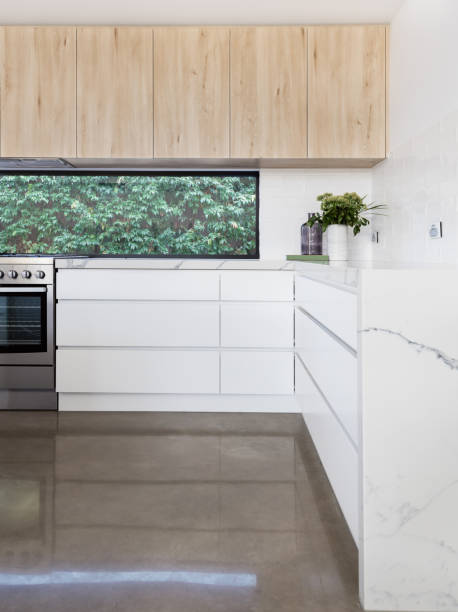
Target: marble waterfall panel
(408, 336)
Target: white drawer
(257, 372)
(259, 285)
(136, 371)
(335, 308)
(337, 454)
(137, 285)
(257, 325)
(333, 367)
(129, 323)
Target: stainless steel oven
(27, 346)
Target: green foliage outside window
(179, 215)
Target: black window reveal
(127, 213)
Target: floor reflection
(168, 512)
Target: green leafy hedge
(128, 215)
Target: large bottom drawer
(337, 453)
(137, 371)
(333, 367)
(257, 372)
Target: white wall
(141, 12)
(287, 195)
(419, 181)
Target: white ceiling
(138, 12)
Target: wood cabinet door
(115, 92)
(191, 92)
(38, 91)
(346, 91)
(269, 92)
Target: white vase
(337, 242)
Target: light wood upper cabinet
(346, 91)
(269, 92)
(38, 91)
(115, 92)
(191, 92)
(304, 96)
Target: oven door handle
(23, 290)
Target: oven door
(27, 325)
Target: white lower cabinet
(333, 367)
(142, 324)
(335, 448)
(263, 285)
(257, 325)
(335, 308)
(257, 372)
(114, 284)
(137, 371)
(174, 332)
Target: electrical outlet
(374, 236)
(435, 229)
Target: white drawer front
(136, 371)
(257, 325)
(137, 285)
(259, 285)
(335, 308)
(337, 454)
(128, 323)
(257, 372)
(333, 367)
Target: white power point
(435, 229)
(374, 236)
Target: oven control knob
(2, 274)
(12, 274)
(26, 274)
(40, 274)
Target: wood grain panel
(269, 92)
(115, 92)
(191, 92)
(38, 91)
(346, 91)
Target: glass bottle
(311, 238)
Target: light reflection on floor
(69, 577)
(168, 513)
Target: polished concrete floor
(168, 513)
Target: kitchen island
(401, 417)
(367, 352)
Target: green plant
(347, 209)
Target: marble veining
(451, 362)
(409, 419)
(395, 518)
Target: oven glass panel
(22, 322)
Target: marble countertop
(347, 274)
(134, 263)
(344, 274)
(239, 264)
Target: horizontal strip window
(125, 213)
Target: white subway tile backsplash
(419, 183)
(287, 195)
